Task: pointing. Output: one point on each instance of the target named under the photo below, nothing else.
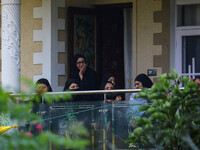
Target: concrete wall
(79, 3)
(146, 28)
(151, 29)
(151, 33)
(28, 46)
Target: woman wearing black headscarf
(71, 84)
(85, 75)
(43, 84)
(143, 81)
(106, 78)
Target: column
(10, 44)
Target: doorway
(112, 38)
(110, 43)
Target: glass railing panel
(109, 123)
(43, 110)
(120, 123)
(65, 115)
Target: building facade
(155, 35)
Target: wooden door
(110, 43)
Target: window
(187, 38)
(188, 15)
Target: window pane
(191, 49)
(188, 15)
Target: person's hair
(69, 82)
(75, 70)
(105, 79)
(46, 82)
(145, 80)
(76, 57)
(107, 83)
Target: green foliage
(21, 113)
(174, 115)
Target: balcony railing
(109, 124)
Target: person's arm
(82, 71)
(89, 80)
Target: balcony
(109, 124)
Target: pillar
(10, 44)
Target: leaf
(175, 73)
(166, 84)
(142, 121)
(158, 102)
(48, 98)
(138, 131)
(66, 96)
(144, 108)
(177, 92)
(151, 110)
(158, 87)
(141, 95)
(167, 76)
(166, 104)
(158, 116)
(184, 79)
(56, 98)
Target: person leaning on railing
(73, 85)
(41, 107)
(141, 81)
(108, 85)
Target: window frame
(181, 31)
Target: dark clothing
(112, 96)
(89, 80)
(105, 79)
(103, 84)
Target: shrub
(173, 120)
(21, 112)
